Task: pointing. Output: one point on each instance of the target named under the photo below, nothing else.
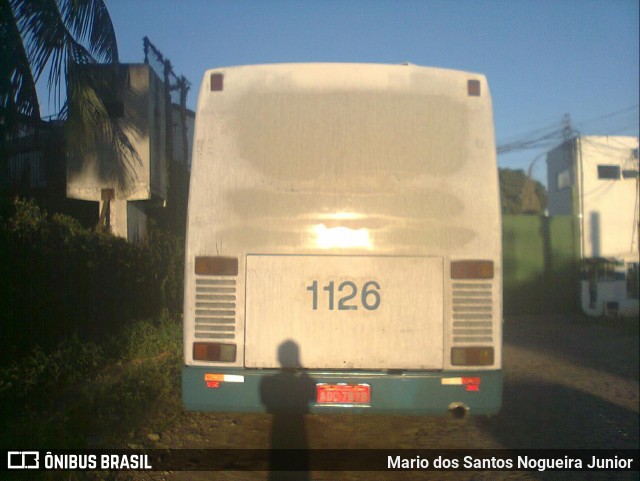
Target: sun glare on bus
(342, 215)
(341, 237)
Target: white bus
(343, 244)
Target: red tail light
(472, 269)
(216, 266)
(214, 351)
(472, 356)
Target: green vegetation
(84, 394)
(521, 195)
(91, 332)
(41, 37)
(62, 280)
(90, 324)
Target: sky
(542, 58)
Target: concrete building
(595, 179)
(125, 187)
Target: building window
(629, 174)
(609, 172)
(563, 180)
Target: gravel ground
(569, 383)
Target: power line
(558, 132)
(534, 133)
(550, 138)
(610, 114)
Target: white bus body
(344, 226)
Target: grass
(84, 394)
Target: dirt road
(568, 384)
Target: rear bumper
(273, 390)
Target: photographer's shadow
(287, 395)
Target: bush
(84, 394)
(62, 279)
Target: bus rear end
(343, 242)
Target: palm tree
(18, 97)
(58, 35)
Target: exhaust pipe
(458, 410)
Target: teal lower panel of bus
(273, 390)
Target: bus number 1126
(346, 295)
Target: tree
(519, 194)
(18, 97)
(58, 35)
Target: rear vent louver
(215, 308)
(472, 312)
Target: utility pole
(636, 207)
(567, 131)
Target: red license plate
(343, 393)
